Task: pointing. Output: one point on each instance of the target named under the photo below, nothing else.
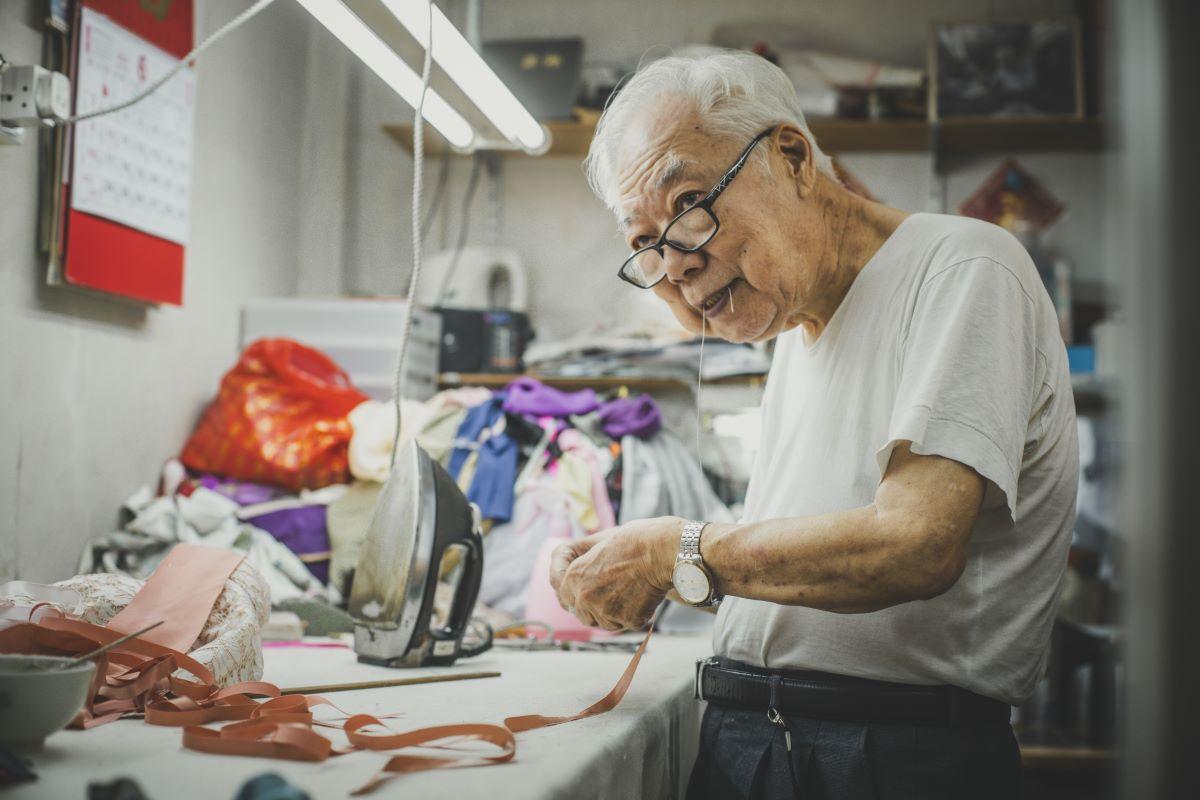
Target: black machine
(475, 340)
(544, 74)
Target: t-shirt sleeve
(968, 369)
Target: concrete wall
(97, 394)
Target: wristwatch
(691, 577)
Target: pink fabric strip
(180, 592)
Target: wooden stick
(89, 656)
(349, 687)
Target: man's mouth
(717, 302)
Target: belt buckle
(701, 665)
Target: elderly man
(889, 592)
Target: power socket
(31, 94)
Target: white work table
(643, 748)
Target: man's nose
(679, 266)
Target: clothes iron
(421, 515)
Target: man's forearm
(850, 561)
(909, 544)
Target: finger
(560, 560)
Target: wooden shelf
(1051, 757)
(449, 380)
(861, 136)
(989, 136)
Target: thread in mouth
(717, 296)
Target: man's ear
(798, 156)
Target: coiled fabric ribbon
(140, 677)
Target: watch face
(691, 582)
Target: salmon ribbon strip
(140, 677)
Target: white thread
(220, 34)
(700, 387)
(415, 277)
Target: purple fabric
(631, 416)
(241, 492)
(303, 531)
(532, 397)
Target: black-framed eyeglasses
(689, 231)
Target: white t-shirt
(946, 339)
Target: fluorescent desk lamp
(471, 73)
(460, 62)
(384, 62)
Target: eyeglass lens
(690, 231)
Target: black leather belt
(822, 695)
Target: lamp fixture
(460, 61)
(384, 62)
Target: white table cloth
(643, 748)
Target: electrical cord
(415, 276)
(485, 638)
(217, 36)
(700, 388)
(464, 229)
(439, 194)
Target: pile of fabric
(638, 355)
(256, 477)
(540, 464)
(283, 536)
(287, 463)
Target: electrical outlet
(32, 94)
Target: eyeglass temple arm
(728, 177)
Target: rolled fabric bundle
(230, 642)
(531, 396)
(631, 416)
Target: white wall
(565, 236)
(96, 394)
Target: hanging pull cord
(415, 275)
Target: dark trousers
(744, 755)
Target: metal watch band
(689, 542)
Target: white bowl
(38, 697)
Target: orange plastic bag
(279, 418)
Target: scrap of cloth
(178, 613)
(531, 396)
(155, 524)
(661, 477)
(374, 424)
(631, 416)
(580, 472)
(170, 688)
(543, 511)
(303, 528)
(482, 435)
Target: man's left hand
(616, 578)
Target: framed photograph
(1029, 68)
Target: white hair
(735, 93)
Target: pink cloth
(575, 445)
(542, 603)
